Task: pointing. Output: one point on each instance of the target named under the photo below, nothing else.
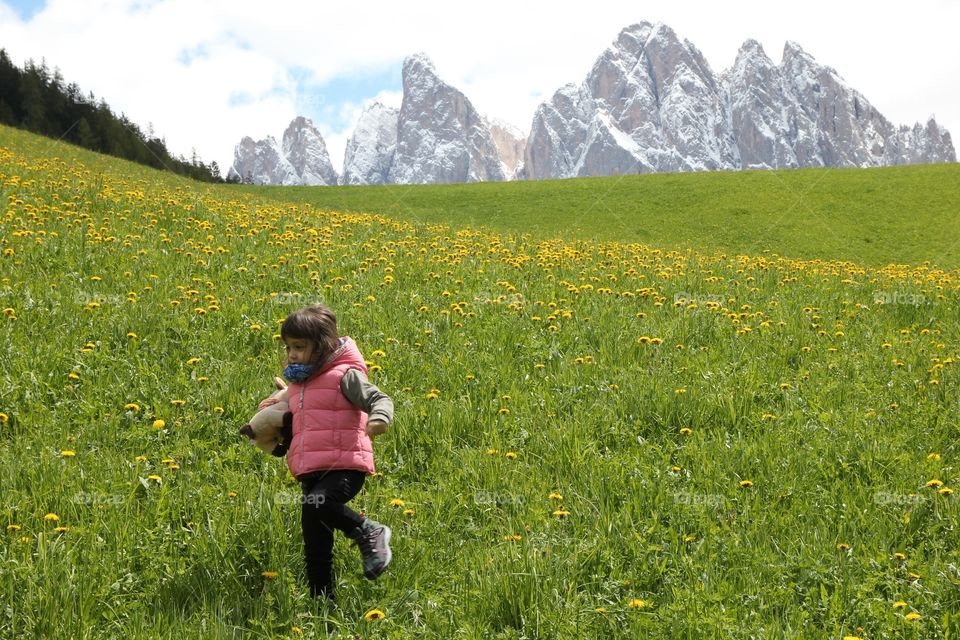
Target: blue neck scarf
(298, 372)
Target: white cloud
(207, 73)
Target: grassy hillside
(875, 216)
(593, 439)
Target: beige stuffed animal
(266, 426)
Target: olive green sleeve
(366, 396)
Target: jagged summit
(369, 152)
(440, 136)
(301, 158)
(649, 103)
(652, 103)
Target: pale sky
(206, 73)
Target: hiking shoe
(373, 539)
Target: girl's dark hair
(316, 322)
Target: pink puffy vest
(329, 432)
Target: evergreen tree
(36, 99)
(85, 135)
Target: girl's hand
(376, 428)
(266, 403)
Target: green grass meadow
(620, 412)
(870, 216)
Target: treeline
(40, 101)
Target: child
(335, 411)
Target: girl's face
(299, 350)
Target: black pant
(324, 496)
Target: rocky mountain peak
(306, 151)
(369, 152)
(440, 135)
(301, 159)
(650, 102)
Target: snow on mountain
(261, 162)
(440, 136)
(304, 148)
(651, 103)
(369, 152)
(510, 143)
(302, 159)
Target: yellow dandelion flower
(554, 495)
(945, 491)
(843, 546)
(66, 453)
(685, 431)
(159, 424)
(232, 494)
(61, 529)
(269, 575)
(4, 418)
(194, 360)
(132, 336)
(561, 513)
(746, 484)
(637, 603)
(154, 477)
(379, 353)
(935, 484)
(899, 604)
(131, 406)
(913, 616)
(73, 375)
(690, 537)
(374, 614)
(900, 556)
(141, 459)
(493, 452)
(178, 403)
(512, 538)
(503, 411)
(933, 456)
(13, 527)
(409, 512)
(397, 502)
(601, 609)
(510, 455)
(51, 517)
(218, 409)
